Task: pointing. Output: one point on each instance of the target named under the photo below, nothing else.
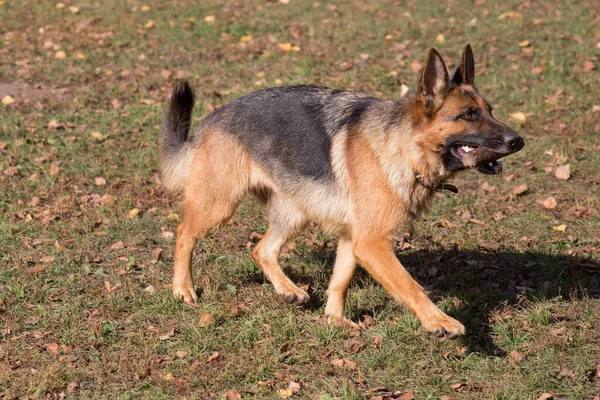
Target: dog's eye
(469, 115)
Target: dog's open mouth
(478, 157)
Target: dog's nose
(513, 141)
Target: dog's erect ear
(434, 83)
(465, 73)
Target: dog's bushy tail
(176, 150)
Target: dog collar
(436, 187)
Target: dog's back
(287, 130)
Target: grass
(531, 306)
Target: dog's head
(466, 133)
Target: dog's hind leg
(218, 179)
(343, 270)
(284, 221)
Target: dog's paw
(444, 326)
(294, 295)
(185, 292)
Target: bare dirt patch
(24, 92)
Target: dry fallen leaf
(181, 353)
(210, 19)
(145, 8)
(524, 43)
(285, 46)
(167, 335)
(565, 373)
(563, 173)
(415, 66)
(343, 362)
(588, 66)
(60, 54)
(52, 348)
(403, 90)
(54, 169)
(118, 245)
(97, 135)
(47, 259)
(100, 181)
(515, 355)
(440, 38)
(285, 393)
(6, 100)
(518, 116)
(510, 15)
(74, 9)
(294, 387)
(560, 228)
(245, 39)
(149, 24)
(213, 357)
(458, 386)
(206, 319)
(550, 203)
(545, 396)
(133, 213)
(521, 189)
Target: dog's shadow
(484, 282)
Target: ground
(86, 230)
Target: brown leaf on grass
(563, 173)
(538, 70)
(524, 43)
(545, 396)
(8, 99)
(354, 345)
(343, 363)
(377, 341)
(519, 190)
(549, 204)
(37, 269)
(510, 15)
(206, 319)
(518, 116)
(233, 394)
(588, 66)
(491, 247)
(54, 169)
(100, 181)
(408, 395)
(294, 387)
(10, 171)
(118, 245)
(285, 393)
(213, 356)
(458, 386)
(47, 259)
(515, 355)
(110, 289)
(446, 397)
(565, 373)
(133, 213)
(181, 354)
(52, 348)
(416, 66)
(158, 254)
(168, 335)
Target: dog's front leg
(378, 258)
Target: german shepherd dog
(359, 166)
